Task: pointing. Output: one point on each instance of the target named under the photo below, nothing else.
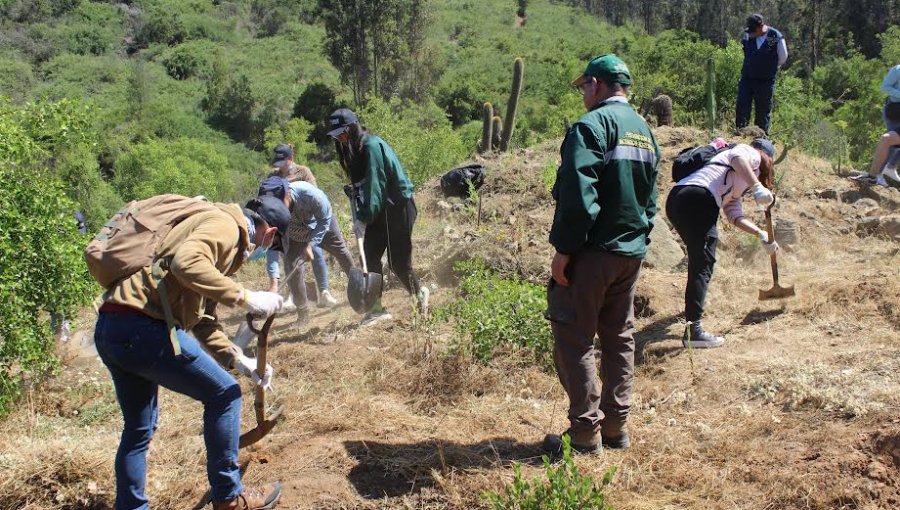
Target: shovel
(363, 288)
(777, 291)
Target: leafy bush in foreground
(494, 312)
(565, 489)
(42, 271)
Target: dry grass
(799, 410)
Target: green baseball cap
(605, 66)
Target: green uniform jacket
(605, 188)
(384, 179)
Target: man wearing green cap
(605, 196)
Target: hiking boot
(553, 444)
(302, 319)
(326, 300)
(422, 297)
(614, 434)
(375, 316)
(695, 337)
(253, 498)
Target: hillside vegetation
(102, 102)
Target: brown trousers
(598, 301)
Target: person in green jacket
(605, 194)
(383, 195)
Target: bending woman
(693, 208)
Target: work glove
(263, 304)
(764, 198)
(247, 366)
(350, 191)
(764, 239)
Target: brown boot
(253, 498)
(614, 433)
(586, 443)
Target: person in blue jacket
(764, 53)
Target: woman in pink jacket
(693, 208)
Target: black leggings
(694, 213)
(392, 231)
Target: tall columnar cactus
(661, 106)
(487, 128)
(711, 95)
(513, 105)
(496, 128)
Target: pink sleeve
(733, 209)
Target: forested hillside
(111, 101)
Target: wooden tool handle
(262, 344)
(770, 229)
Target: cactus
(661, 106)
(513, 105)
(711, 95)
(497, 128)
(487, 128)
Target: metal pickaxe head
(777, 292)
(262, 428)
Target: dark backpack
(455, 183)
(692, 159)
(274, 185)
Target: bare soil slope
(800, 409)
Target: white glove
(263, 304)
(770, 247)
(764, 198)
(247, 366)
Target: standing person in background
(384, 202)
(765, 51)
(605, 194)
(693, 208)
(285, 171)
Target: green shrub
(184, 166)
(565, 489)
(420, 135)
(42, 270)
(297, 132)
(189, 60)
(495, 313)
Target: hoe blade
(256, 434)
(776, 292)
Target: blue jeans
(759, 93)
(137, 351)
(319, 266)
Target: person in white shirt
(764, 53)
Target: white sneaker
(375, 317)
(326, 300)
(288, 306)
(880, 180)
(422, 297)
(889, 175)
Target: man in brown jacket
(132, 339)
